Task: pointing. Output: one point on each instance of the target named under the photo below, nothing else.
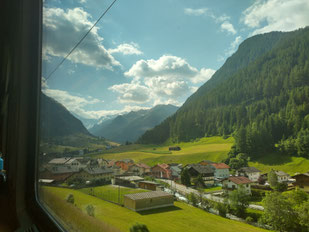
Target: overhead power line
(81, 40)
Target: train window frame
(21, 62)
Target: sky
(148, 52)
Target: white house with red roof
(221, 170)
(234, 182)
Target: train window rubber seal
(21, 52)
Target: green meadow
(209, 148)
(110, 192)
(111, 217)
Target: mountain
(56, 120)
(87, 122)
(261, 90)
(128, 127)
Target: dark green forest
(260, 96)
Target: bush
(90, 210)
(70, 198)
(249, 219)
(139, 228)
(222, 208)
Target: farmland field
(181, 217)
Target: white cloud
(169, 79)
(73, 103)
(131, 93)
(276, 15)
(227, 26)
(82, 1)
(195, 12)
(126, 49)
(222, 19)
(234, 45)
(63, 29)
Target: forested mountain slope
(130, 126)
(262, 90)
(56, 120)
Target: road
(187, 190)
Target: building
(150, 185)
(128, 181)
(161, 171)
(58, 176)
(124, 164)
(251, 172)
(206, 162)
(221, 170)
(205, 171)
(235, 182)
(302, 181)
(176, 171)
(148, 200)
(282, 176)
(174, 148)
(139, 169)
(89, 174)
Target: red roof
(143, 166)
(164, 166)
(239, 180)
(220, 166)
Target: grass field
(213, 148)
(288, 164)
(181, 217)
(210, 148)
(110, 192)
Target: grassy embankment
(110, 192)
(181, 217)
(211, 148)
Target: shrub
(90, 210)
(70, 198)
(249, 219)
(139, 228)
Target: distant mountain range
(56, 120)
(261, 90)
(129, 127)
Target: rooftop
(131, 178)
(281, 173)
(220, 165)
(239, 180)
(202, 169)
(147, 195)
(59, 160)
(98, 170)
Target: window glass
(149, 109)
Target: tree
(279, 212)
(90, 210)
(199, 182)
(272, 179)
(303, 215)
(70, 198)
(139, 228)
(239, 201)
(192, 198)
(185, 177)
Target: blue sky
(149, 52)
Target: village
(163, 183)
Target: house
(282, 176)
(302, 181)
(148, 200)
(235, 182)
(150, 185)
(59, 175)
(139, 169)
(205, 171)
(206, 162)
(221, 170)
(161, 171)
(174, 148)
(251, 172)
(93, 173)
(124, 164)
(176, 170)
(58, 163)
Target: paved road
(187, 190)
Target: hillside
(263, 88)
(57, 121)
(128, 127)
